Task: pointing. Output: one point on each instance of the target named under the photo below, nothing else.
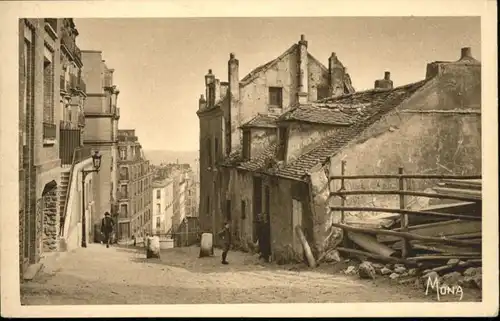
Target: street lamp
(96, 162)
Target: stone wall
(50, 221)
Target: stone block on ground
(152, 247)
(385, 271)
(399, 269)
(32, 271)
(451, 278)
(472, 271)
(206, 245)
(350, 270)
(366, 271)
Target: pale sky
(160, 63)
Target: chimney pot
(209, 71)
(202, 98)
(302, 37)
(466, 53)
(231, 55)
(387, 75)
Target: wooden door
(296, 221)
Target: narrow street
(97, 275)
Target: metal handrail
(74, 161)
(409, 193)
(414, 176)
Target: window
(216, 147)
(322, 92)
(124, 191)
(48, 87)
(28, 82)
(158, 194)
(123, 153)
(123, 210)
(158, 208)
(228, 209)
(282, 142)
(246, 144)
(276, 96)
(243, 210)
(158, 223)
(209, 152)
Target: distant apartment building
(51, 156)
(163, 199)
(134, 188)
(101, 118)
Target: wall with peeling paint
(303, 137)
(260, 139)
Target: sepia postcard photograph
(249, 158)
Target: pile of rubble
(466, 274)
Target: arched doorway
(49, 218)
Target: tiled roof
(261, 120)
(258, 163)
(317, 113)
(368, 106)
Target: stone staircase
(64, 190)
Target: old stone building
(134, 187)
(295, 77)
(101, 129)
(280, 168)
(51, 103)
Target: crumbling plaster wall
(417, 136)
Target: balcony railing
(52, 22)
(69, 41)
(49, 131)
(127, 138)
(70, 140)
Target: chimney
(466, 53)
(385, 83)
(303, 71)
(202, 103)
(217, 90)
(224, 85)
(233, 119)
(336, 73)
(209, 88)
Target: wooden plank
(459, 192)
(406, 235)
(440, 248)
(400, 211)
(446, 228)
(473, 184)
(369, 243)
(375, 256)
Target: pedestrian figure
(226, 239)
(107, 225)
(133, 238)
(263, 238)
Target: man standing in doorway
(107, 225)
(264, 241)
(226, 239)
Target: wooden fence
(403, 193)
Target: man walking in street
(107, 225)
(226, 239)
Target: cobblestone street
(97, 275)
